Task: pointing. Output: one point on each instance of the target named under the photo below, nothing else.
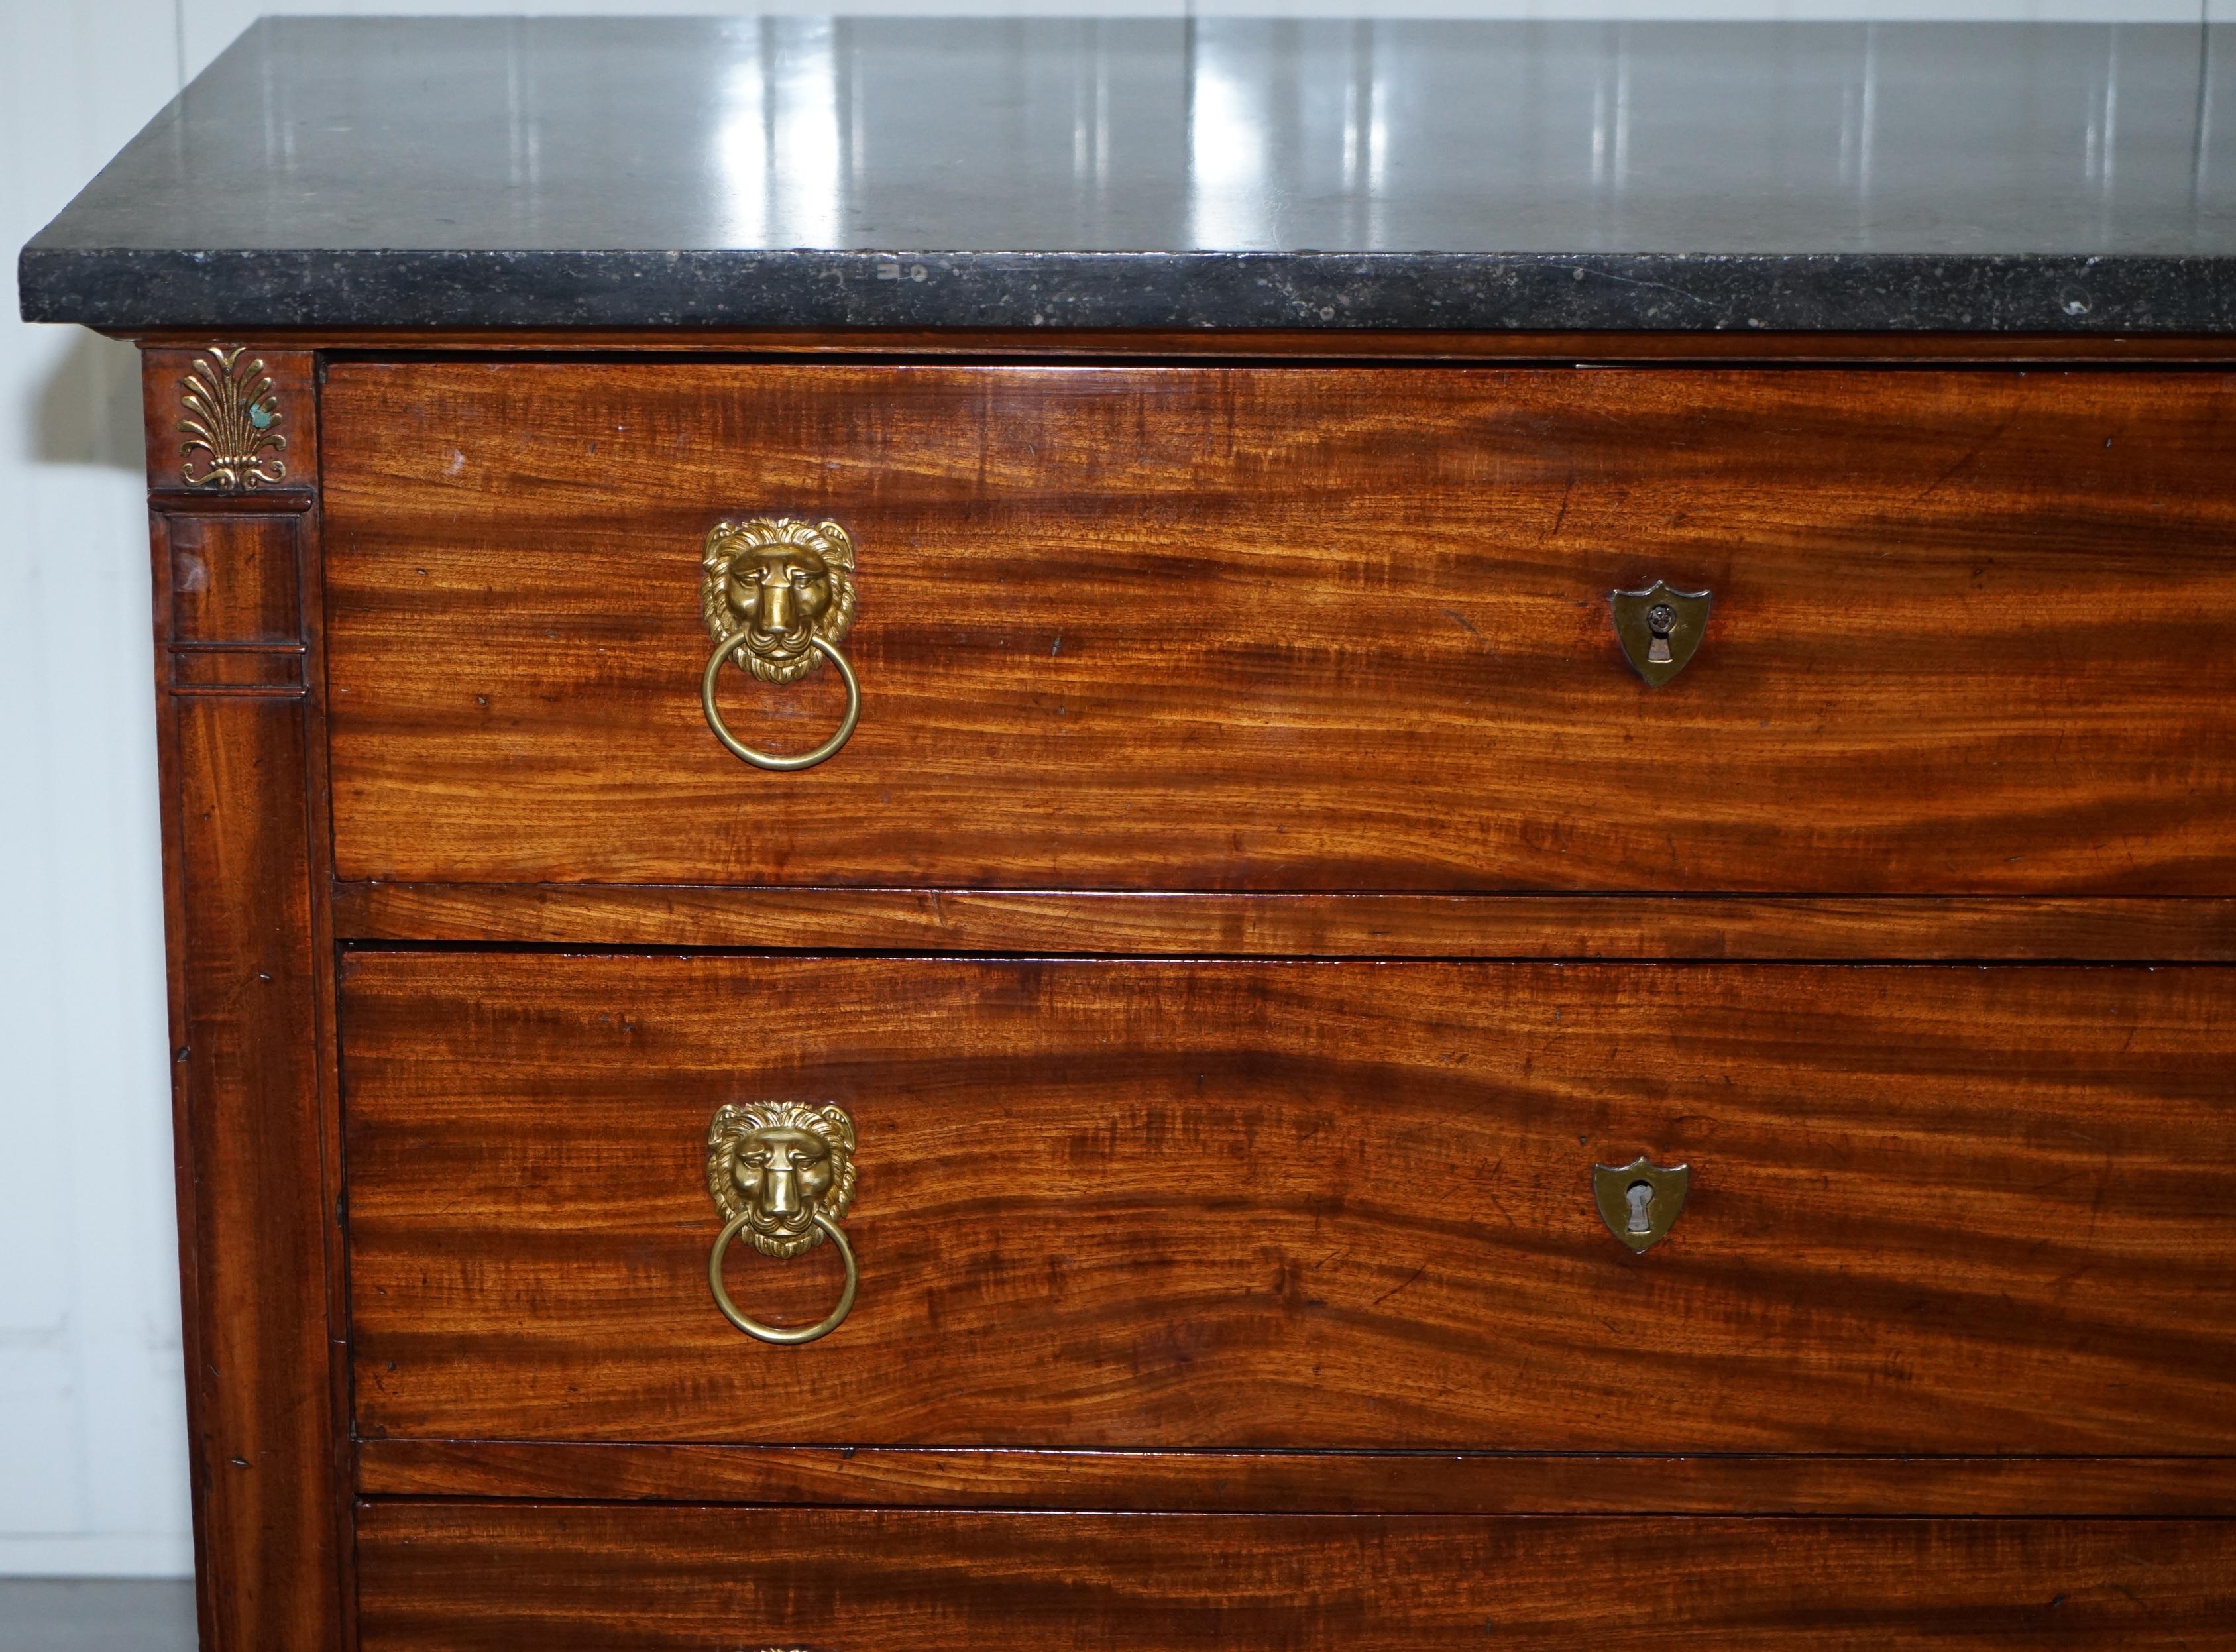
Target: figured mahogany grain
(1335, 1205)
(1297, 627)
(1302, 1482)
(233, 580)
(468, 1578)
(1149, 922)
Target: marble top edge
(1232, 172)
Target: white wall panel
(92, 1456)
(92, 1431)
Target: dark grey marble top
(1224, 172)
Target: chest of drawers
(1148, 945)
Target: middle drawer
(1344, 1205)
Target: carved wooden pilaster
(232, 462)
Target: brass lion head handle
(782, 1174)
(778, 595)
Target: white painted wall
(92, 1464)
(92, 1450)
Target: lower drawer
(464, 1576)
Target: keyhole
(1640, 1200)
(1661, 620)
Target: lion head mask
(777, 1163)
(784, 583)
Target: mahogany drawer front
(1294, 627)
(465, 1577)
(1332, 1204)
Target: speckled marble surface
(1223, 173)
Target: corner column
(232, 454)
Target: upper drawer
(1295, 628)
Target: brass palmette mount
(233, 420)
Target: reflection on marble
(775, 162)
(349, 171)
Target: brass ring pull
(778, 592)
(782, 1174)
(824, 753)
(753, 1327)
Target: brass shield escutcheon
(1639, 1201)
(1659, 629)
